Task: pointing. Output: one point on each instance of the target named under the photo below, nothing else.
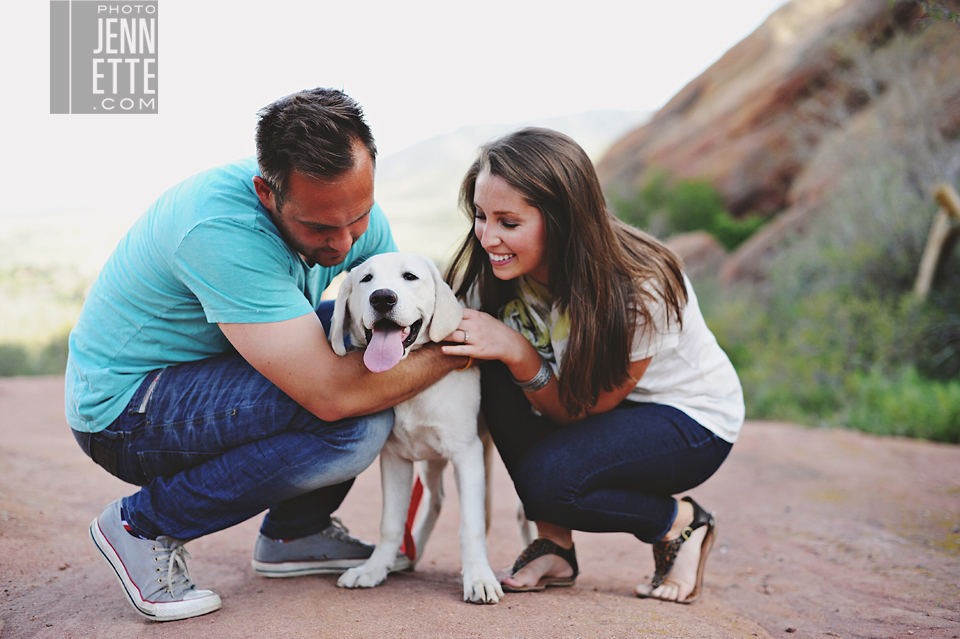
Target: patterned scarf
(537, 318)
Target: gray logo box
(110, 63)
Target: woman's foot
(681, 555)
(531, 574)
(682, 579)
(549, 561)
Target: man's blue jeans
(213, 443)
(613, 472)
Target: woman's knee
(545, 494)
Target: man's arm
(295, 355)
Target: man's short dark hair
(312, 132)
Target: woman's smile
(500, 259)
(510, 230)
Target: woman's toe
(668, 591)
(520, 579)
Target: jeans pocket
(695, 434)
(104, 456)
(139, 402)
(109, 449)
(167, 463)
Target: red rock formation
(756, 122)
(701, 253)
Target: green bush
(941, 349)
(14, 360)
(44, 359)
(664, 206)
(838, 338)
(642, 207)
(732, 232)
(904, 404)
(838, 360)
(693, 205)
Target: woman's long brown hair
(597, 264)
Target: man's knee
(364, 437)
(334, 452)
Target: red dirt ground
(822, 533)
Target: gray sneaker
(154, 574)
(329, 552)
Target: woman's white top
(689, 370)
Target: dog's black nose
(383, 300)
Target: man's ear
(265, 194)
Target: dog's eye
(410, 277)
(366, 278)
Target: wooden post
(942, 240)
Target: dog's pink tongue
(384, 350)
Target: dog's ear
(447, 311)
(340, 322)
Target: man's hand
(295, 355)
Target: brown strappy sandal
(665, 553)
(539, 548)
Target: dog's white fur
(439, 424)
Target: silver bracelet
(541, 379)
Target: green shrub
(693, 205)
(650, 200)
(664, 207)
(835, 358)
(732, 232)
(45, 359)
(904, 404)
(14, 360)
(941, 349)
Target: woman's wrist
(528, 365)
(538, 381)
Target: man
(200, 371)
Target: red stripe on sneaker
(120, 559)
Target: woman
(603, 389)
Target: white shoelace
(339, 532)
(178, 575)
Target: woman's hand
(483, 336)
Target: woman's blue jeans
(614, 472)
(213, 443)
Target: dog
(389, 305)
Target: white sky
(420, 68)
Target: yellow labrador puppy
(389, 305)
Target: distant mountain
(46, 262)
(418, 186)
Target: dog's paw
(482, 589)
(365, 576)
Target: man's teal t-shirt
(205, 252)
